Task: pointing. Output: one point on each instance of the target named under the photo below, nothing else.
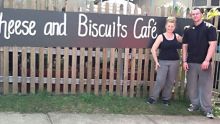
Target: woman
(167, 63)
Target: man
(199, 45)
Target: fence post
(215, 63)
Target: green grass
(89, 103)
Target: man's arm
(211, 50)
(210, 54)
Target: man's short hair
(200, 9)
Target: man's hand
(205, 65)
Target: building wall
(149, 7)
(153, 5)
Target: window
(199, 2)
(215, 3)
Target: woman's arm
(154, 50)
(179, 38)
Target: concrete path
(75, 118)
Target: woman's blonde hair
(171, 19)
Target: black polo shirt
(198, 38)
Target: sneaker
(209, 115)
(166, 102)
(193, 108)
(151, 101)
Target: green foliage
(211, 14)
(217, 110)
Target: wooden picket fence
(124, 72)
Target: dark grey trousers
(166, 75)
(199, 86)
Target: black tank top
(168, 49)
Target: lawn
(89, 103)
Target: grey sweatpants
(199, 86)
(166, 75)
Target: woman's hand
(185, 66)
(157, 65)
